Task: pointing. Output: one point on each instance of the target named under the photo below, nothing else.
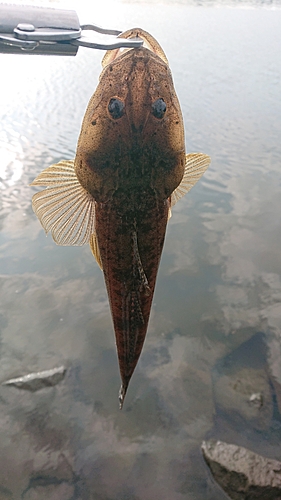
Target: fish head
(132, 135)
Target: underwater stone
(62, 491)
(38, 380)
(245, 393)
(243, 474)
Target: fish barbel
(130, 169)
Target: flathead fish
(130, 169)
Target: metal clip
(27, 29)
(44, 30)
(108, 42)
(21, 44)
(28, 32)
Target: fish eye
(159, 108)
(116, 108)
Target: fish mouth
(149, 43)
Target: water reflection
(218, 287)
(218, 3)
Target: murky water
(214, 334)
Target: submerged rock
(245, 393)
(38, 380)
(242, 389)
(243, 474)
(61, 491)
(256, 399)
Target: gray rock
(243, 474)
(61, 491)
(245, 392)
(256, 399)
(38, 380)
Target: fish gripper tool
(26, 29)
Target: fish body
(130, 249)
(130, 168)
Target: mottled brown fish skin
(109, 151)
(131, 165)
(117, 221)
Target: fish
(130, 169)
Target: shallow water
(216, 313)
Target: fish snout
(137, 115)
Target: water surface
(216, 311)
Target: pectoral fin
(65, 208)
(195, 166)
